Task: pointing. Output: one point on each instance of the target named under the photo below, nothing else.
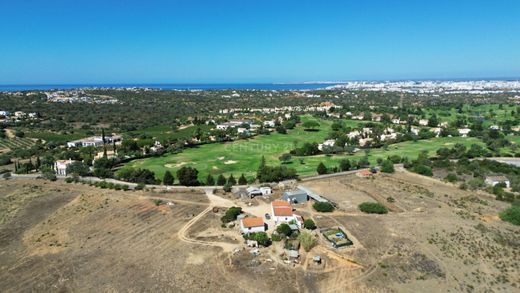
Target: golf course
(243, 156)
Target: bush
(187, 176)
(451, 178)
(387, 167)
(324, 207)
(322, 169)
(373, 208)
(423, 170)
(139, 186)
(227, 187)
(6, 175)
(231, 214)
(309, 224)
(261, 238)
(307, 240)
(511, 215)
(283, 229)
(276, 237)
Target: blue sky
(256, 40)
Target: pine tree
(168, 178)
(231, 180)
(38, 163)
(261, 168)
(103, 135)
(322, 169)
(210, 181)
(221, 180)
(242, 180)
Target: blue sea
(201, 86)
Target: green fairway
(243, 156)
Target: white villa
(252, 225)
(60, 167)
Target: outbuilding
(494, 180)
(295, 196)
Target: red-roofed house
(252, 225)
(282, 211)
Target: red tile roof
(280, 203)
(252, 222)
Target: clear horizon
(206, 42)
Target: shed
(313, 195)
(295, 196)
(293, 254)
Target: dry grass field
(72, 237)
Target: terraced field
(15, 143)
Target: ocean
(201, 86)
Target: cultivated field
(72, 237)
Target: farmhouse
(282, 212)
(93, 141)
(60, 167)
(494, 180)
(252, 225)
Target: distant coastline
(201, 86)
(307, 85)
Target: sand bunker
(229, 162)
(175, 165)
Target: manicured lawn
(408, 149)
(243, 156)
(492, 113)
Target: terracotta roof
(364, 172)
(282, 211)
(280, 203)
(252, 222)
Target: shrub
(261, 238)
(387, 166)
(451, 177)
(283, 229)
(324, 207)
(188, 176)
(309, 224)
(139, 186)
(373, 208)
(227, 187)
(423, 170)
(276, 237)
(322, 169)
(307, 240)
(6, 175)
(511, 215)
(231, 214)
